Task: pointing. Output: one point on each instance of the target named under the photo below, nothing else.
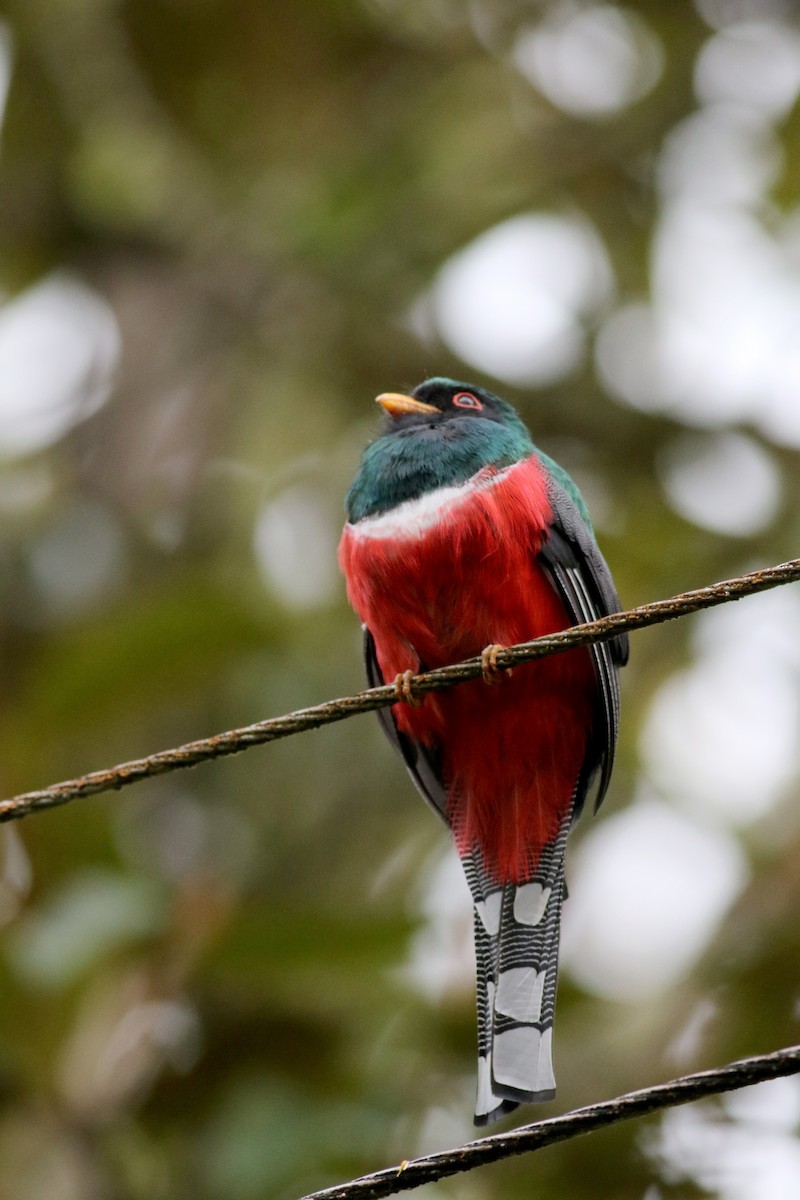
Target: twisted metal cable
(236, 740)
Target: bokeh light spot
(755, 63)
(512, 302)
(647, 890)
(6, 65)
(721, 735)
(77, 560)
(725, 482)
(59, 348)
(295, 546)
(590, 62)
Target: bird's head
(438, 435)
(439, 400)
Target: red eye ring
(467, 400)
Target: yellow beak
(395, 404)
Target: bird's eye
(467, 400)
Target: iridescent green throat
(406, 463)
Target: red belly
(510, 753)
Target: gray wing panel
(585, 553)
(579, 573)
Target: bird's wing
(578, 571)
(421, 761)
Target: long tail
(516, 949)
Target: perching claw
(491, 672)
(404, 691)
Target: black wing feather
(421, 762)
(578, 571)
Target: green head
(439, 435)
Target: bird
(462, 537)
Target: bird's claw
(491, 672)
(404, 691)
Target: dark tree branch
(270, 730)
(528, 1138)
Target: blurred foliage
(204, 988)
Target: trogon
(462, 537)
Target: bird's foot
(404, 691)
(491, 672)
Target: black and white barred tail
(516, 949)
